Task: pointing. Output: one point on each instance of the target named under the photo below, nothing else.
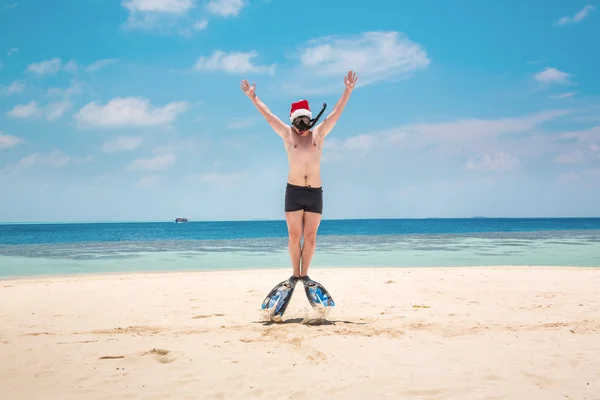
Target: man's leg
(312, 220)
(294, 224)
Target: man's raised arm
(278, 126)
(327, 125)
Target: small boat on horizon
(180, 220)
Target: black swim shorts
(305, 198)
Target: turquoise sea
(74, 248)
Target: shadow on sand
(308, 321)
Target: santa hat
(300, 109)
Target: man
(304, 192)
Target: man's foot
(279, 297)
(292, 281)
(307, 281)
(318, 297)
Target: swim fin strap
(317, 295)
(279, 297)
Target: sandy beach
(423, 333)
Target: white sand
(443, 333)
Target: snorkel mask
(300, 116)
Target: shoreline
(282, 270)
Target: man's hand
(250, 91)
(350, 80)
(278, 126)
(323, 129)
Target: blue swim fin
(318, 296)
(279, 297)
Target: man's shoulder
(287, 135)
(316, 131)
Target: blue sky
(132, 110)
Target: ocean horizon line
(192, 220)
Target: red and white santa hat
(300, 109)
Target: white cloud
(225, 8)
(152, 14)
(47, 67)
(159, 6)
(7, 141)
(388, 53)
(148, 181)
(594, 172)
(71, 66)
(122, 144)
(57, 109)
(51, 67)
(146, 21)
(571, 176)
(374, 56)
(74, 89)
(15, 87)
(586, 146)
(11, 51)
(498, 162)
(573, 157)
(590, 135)
(552, 75)
(360, 143)
(580, 16)
(29, 110)
(564, 95)
(475, 128)
(129, 111)
(173, 16)
(82, 160)
(235, 62)
(196, 26)
(157, 163)
(200, 25)
(51, 112)
(95, 66)
(494, 144)
(53, 159)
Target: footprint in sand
(161, 355)
(207, 316)
(420, 306)
(134, 330)
(538, 380)
(78, 342)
